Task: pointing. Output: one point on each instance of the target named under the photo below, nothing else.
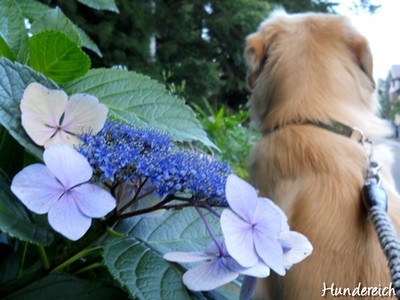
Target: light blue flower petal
(208, 276)
(92, 200)
(268, 202)
(300, 248)
(187, 257)
(238, 238)
(65, 217)
(260, 270)
(68, 165)
(242, 197)
(37, 188)
(269, 250)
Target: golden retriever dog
(306, 72)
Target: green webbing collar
(335, 127)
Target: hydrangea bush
(104, 194)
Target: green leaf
(88, 43)
(14, 79)
(142, 271)
(136, 98)
(11, 153)
(55, 20)
(62, 286)
(101, 4)
(14, 219)
(13, 31)
(57, 57)
(5, 50)
(136, 260)
(32, 9)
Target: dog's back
(306, 70)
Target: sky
(381, 30)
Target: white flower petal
(68, 165)
(300, 248)
(37, 188)
(41, 108)
(242, 197)
(83, 114)
(62, 137)
(238, 238)
(65, 217)
(187, 257)
(92, 200)
(208, 276)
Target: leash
(374, 198)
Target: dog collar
(335, 127)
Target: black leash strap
(375, 199)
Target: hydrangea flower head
(255, 228)
(49, 117)
(219, 269)
(121, 152)
(61, 189)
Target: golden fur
(317, 67)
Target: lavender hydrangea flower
(220, 269)
(255, 228)
(49, 117)
(61, 189)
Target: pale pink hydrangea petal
(84, 113)
(62, 137)
(238, 237)
(300, 248)
(66, 218)
(242, 197)
(92, 200)
(208, 276)
(41, 109)
(68, 165)
(37, 188)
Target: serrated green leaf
(57, 57)
(12, 29)
(55, 20)
(5, 50)
(143, 271)
(11, 153)
(14, 79)
(66, 287)
(101, 4)
(138, 257)
(32, 9)
(88, 43)
(15, 221)
(136, 98)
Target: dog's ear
(363, 55)
(256, 56)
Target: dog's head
(308, 66)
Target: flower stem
(89, 268)
(113, 233)
(76, 257)
(214, 238)
(21, 266)
(43, 257)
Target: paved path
(395, 146)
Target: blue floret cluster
(121, 152)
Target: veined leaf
(101, 4)
(12, 30)
(136, 261)
(32, 9)
(88, 43)
(136, 98)
(14, 79)
(57, 57)
(62, 286)
(14, 219)
(55, 20)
